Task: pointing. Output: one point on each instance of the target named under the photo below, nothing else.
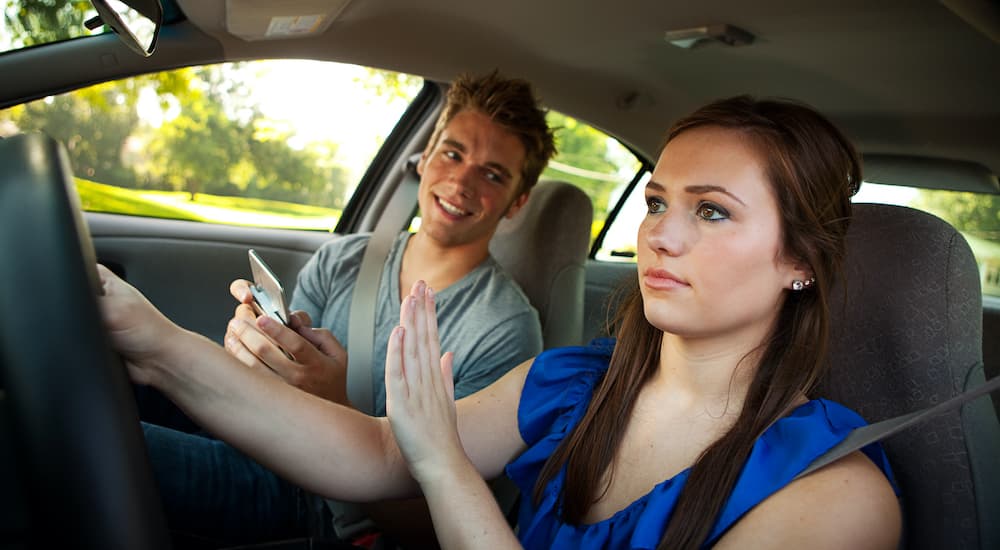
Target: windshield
(27, 23)
(32, 22)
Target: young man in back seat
(489, 146)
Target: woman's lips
(661, 279)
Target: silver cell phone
(268, 296)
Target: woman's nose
(669, 233)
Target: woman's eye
(655, 205)
(711, 212)
(453, 155)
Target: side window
(264, 143)
(975, 215)
(595, 162)
(619, 244)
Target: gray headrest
(544, 248)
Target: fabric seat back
(906, 334)
(544, 248)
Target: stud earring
(799, 285)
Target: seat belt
(866, 435)
(361, 328)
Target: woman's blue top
(556, 393)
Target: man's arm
(500, 346)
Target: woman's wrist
(177, 350)
(454, 465)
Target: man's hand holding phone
(307, 358)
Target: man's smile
(451, 208)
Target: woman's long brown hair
(813, 170)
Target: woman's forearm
(465, 512)
(326, 448)
(424, 419)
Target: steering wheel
(69, 416)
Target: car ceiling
(900, 77)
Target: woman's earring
(799, 285)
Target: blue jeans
(212, 492)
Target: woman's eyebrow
(701, 189)
(695, 190)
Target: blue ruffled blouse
(556, 393)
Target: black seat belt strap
(361, 329)
(871, 433)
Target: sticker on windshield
(293, 25)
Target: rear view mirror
(136, 22)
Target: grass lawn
(98, 197)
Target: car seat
(906, 334)
(544, 248)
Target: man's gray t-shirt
(484, 318)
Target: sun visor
(930, 173)
(254, 20)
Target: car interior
(916, 321)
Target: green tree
(974, 213)
(583, 159)
(389, 86)
(220, 143)
(93, 124)
(977, 216)
(195, 150)
(31, 22)
(208, 140)
(284, 173)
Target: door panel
(604, 280)
(185, 268)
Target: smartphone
(268, 296)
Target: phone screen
(268, 295)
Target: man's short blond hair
(510, 103)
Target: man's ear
(422, 162)
(518, 203)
